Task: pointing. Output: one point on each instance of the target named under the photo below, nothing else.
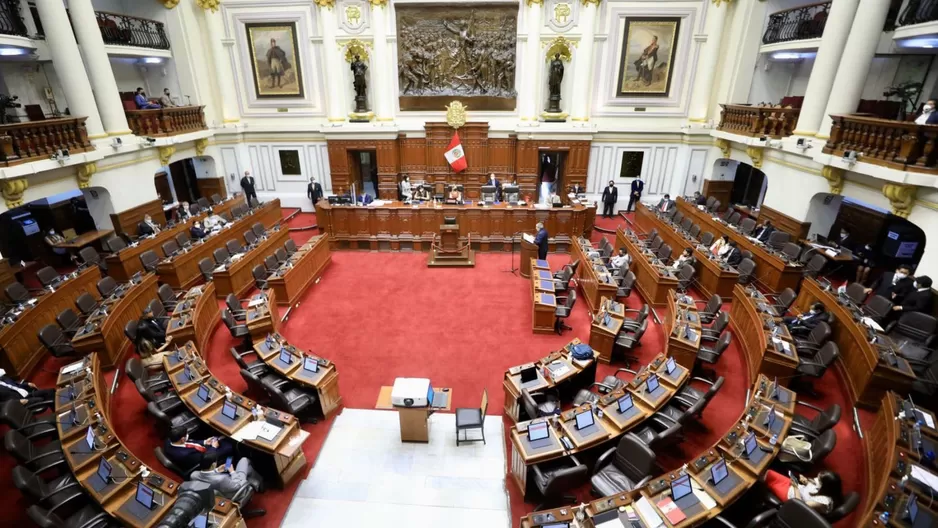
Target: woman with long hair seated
(823, 493)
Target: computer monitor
(144, 495)
(285, 356)
(310, 364)
(104, 470)
(187, 372)
(774, 394)
(89, 438)
(607, 321)
(528, 374)
(651, 384)
(179, 355)
(670, 365)
(770, 420)
(911, 508)
(680, 487)
(538, 431)
(202, 393)
(200, 521)
(749, 444)
(230, 410)
(73, 416)
(625, 403)
(584, 419)
(718, 471)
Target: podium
(446, 251)
(528, 253)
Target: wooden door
(161, 180)
(354, 171)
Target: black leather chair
(472, 418)
(238, 331)
(206, 267)
(816, 338)
(850, 503)
(562, 279)
(821, 446)
(815, 367)
(293, 400)
(260, 277)
(256, 382)
(165, 422)
(685, 277)
(917, 331)
(877, 308)
(250, 238)
(257, 366)
(15, 415)
(203, 203)
(675, 414)
(168, 297)
(258, 229)
(706, 239)
(661, 436)
(555, 478)
(689, 395)
(791, 251)
(746, 226)
(793, 513)
(856, 292)
(53, 493)
(640, 315)
(170, 248)
(270, 264)
(55, 342)
(783, 301)
(183, 240)
(38, 458)
(156, 380)
(86, 304)
(747, 270)
(586, 394)
(156, 307)
(623, 468)
(150, 260)
(89, 256)
(815, 265)
(625, 287)
(216, 199)
(714, 331)
(47, 276)
(115, 244)
(107, 285)
(540, 404)
(694, 231)
(290, 246)
(820, 424)
(221, 256)
(233, 247)
(627, 340)
(281, 255)
(68, 321)
(165, 399)
(183, 473)
(564, 309)
(711, 310)
(90, 516)
(778, 239)
(17, 293)
(234, 306)
(711, 355)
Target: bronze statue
(553, 84)
(358, 71)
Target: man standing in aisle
(635, 195)
(541, 241)
(610, 197)
(247, 185)
(314, 191)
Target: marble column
(333, 57)
(224, 78)
(855, 62)
(382, 94)
(28, 18)
(69, 65)
(707, 64)
(99, 68)
(528, 100)
(828, 57)
(583, 68)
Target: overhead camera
(117, 143)
(61, 155)
(763, 139)
(150, 141)
(850, 156)
(803, 144)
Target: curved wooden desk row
(772, 271)
(398, 226)
(712, 276)
(237, 277)
(869, 375)
(195, 316)
(103, 331)
(284, 439)
(891, 455)
(558, 371)
(325, 380)
(752, 316)
(609, 426)
(603, 330)
(182, 270)
(126, 262)
(117, 495)
(302, 269)
(543, 297)
(683, 327)
(594, 279)
(652, 280)
(743, 472)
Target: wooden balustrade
(35, 140)
(166, 121)
(758, 121)
(901, 145)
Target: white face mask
(900, 275)
(928, 109)
(3, 372)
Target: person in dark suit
(928, 115)
(699, 199)
(147, 227)
(497, 184)
(763, 233)
(247, 185)
(804, 323)
(541, 240)
(733, 256)
(196, 231)
(665, 204)
(314, 191)
(635, 193)
(364, 199)
(610, 197)
(187, 453)
(577, 189)
(893, 285)
(182, 212)
(26, 393)
(920, 299)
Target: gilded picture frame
(275, 60)
(646, 65)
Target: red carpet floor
(379, 316)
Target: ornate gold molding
(534, 2)
(594, 2)
(378, 3)
(562, 46)
(355, 47)
(84, 174)
(165, 154)
(13, 191)
(718, 2)
(901, 196)
(724, 146)
(456, 114)
(325, 3)
(834, 177)
(208, 4)
(169, 4)
(200, 146)
(756, 154)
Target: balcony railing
(799, 23)
(166, 121)
(11, 20)
(900, 145)
(35, 140)
(758, 121)
(917, 12)
(126, 30)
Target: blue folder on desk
(544, 275)
(546, 285)
(542, 263)
(547, 298)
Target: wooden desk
(772, 272)
(195, 316)
(713, 277)
(126, 262)
(603, 331)
(751, 322)
(413, 420)
(284, 448)
(682, 326)
(578, 375)
(264, 318)
(868, 377)
(20, 349)
(528, 254)
(396, 226)
(106, 334)
(237, 277)
(325, 381)
(594, 280)
(182, 271)
(84, 239)
(652, 281)
(304, 267)
(543, 306)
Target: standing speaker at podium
(541, 241)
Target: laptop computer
(539, 434)
(528, 376)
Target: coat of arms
(456, 114)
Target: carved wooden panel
(405, 222)
(340, 221)
(719, 189)
(361, 221)
(413, 157)
(474, 223)
(798, 230)
(382, 221)
(497, 223)
(125, 222)
(428, 222)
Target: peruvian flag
(455, 155)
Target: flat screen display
(625, 403)
(584, 420)
(228, 409)
(538, 431)
(311, 364)
(652, 383)
(680, 487)
(718, 471)
(144, 495)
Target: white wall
(100, 206)
(724, 170)
(28, 80)
(823, 212)
(773, 80)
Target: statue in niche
(554, 79)
(359, 69)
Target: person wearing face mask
(610, 197)
(865, 262)
(196, 231)
(635, 193)
(188, 453)
(928, 115)
(167, 100)
(225, 480)
(26, 393)
(804, 323)
(919, 299)
(147, 227)
(407, 191)
(893, 285)
(665, 204)
(151, 338)
(823, 493)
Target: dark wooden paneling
(413, 157)
(388, 164)
(210, 186)
(780, 220)
(125, 222)
(719, 189)
(864, 224)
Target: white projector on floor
(411, 392)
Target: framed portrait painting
(648, 53)
(275, 60)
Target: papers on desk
(254, 430)
(611, 523)
(869, 322)
(236, 257)
(704, 497)
(648, 514)
(256, 301)
(527, 238)
(830, 253)
(558, 368)
(925, 477)
(73, 367)
(219, 269)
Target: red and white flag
(455, 155)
